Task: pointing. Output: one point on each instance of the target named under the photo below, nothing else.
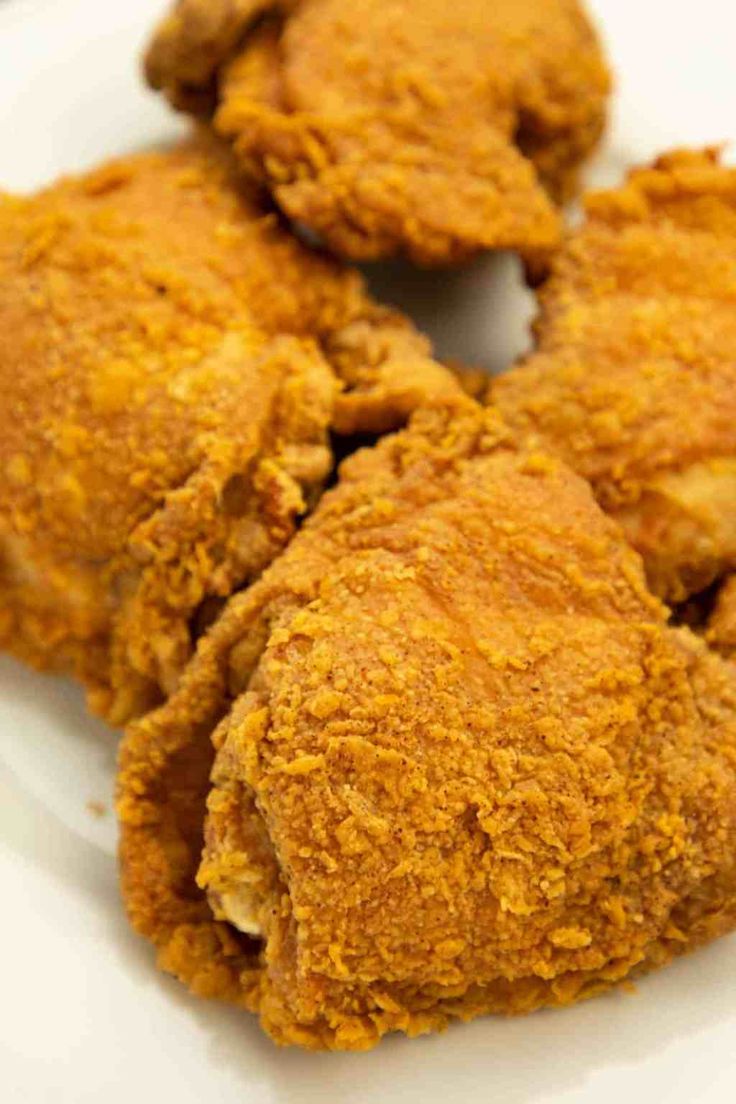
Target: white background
(83, 1015)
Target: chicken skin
(171, 362)
(462, 764)
(634, 378)
(434, 129)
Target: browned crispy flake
(461, 763)
(435, 129)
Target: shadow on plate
(478, 313)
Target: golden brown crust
(721, 632)
(190, 44)
(430, 129)
(473, 380)
(634, 378)
(162, 360)
(462, 763)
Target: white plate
(83, 1014)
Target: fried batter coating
(462, 763)
(435, 129)
(167, 407)
(722, 624)
(634, 377)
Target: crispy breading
(164, 349)
(721, 631)
(436, 128)
(634, 377)
(462, 763)
(472, 379)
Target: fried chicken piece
(721, 632)
(472, 379)
(435, 129)
(462, 763)
(166, 408)
(634, 377)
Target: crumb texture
(434, 129)
(722, 625)
(171, 361)
(634, 377)
(461, 763)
